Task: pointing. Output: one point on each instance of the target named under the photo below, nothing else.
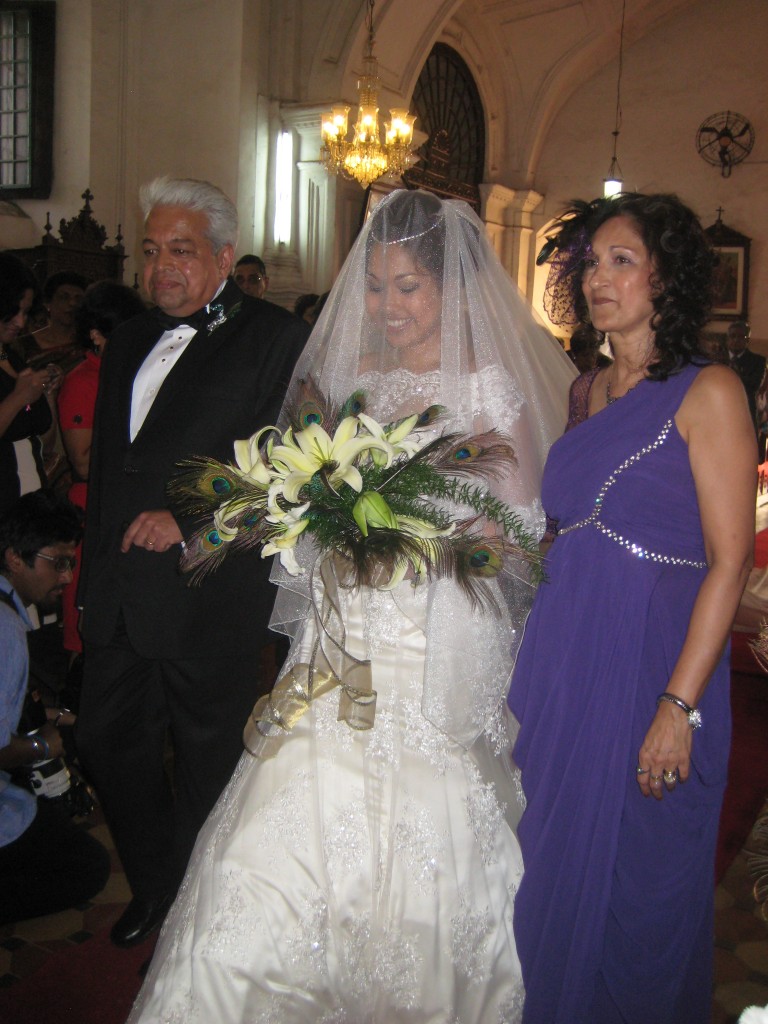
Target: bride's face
(405, 301)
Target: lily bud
(370, 509)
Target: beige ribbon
(331, 665)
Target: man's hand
(155, 530)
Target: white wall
(709, 59)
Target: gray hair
(201, 196)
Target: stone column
(507, 215)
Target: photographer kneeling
(47, 863)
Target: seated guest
(55, 345)
(106, 305)
(304, 306)
(47, 863)
(24, 411)
(251, 276)
(713, 347)
(56, 342)
(313, 315)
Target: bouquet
(377, 495)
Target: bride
(368, 876)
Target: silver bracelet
(694, 715)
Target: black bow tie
(197, 320)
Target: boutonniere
(220, 316)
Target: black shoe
(139, 919)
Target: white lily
(290, 518)
(287, 557)
(290, 525)
(301, 456)
(249, 460)
(395, 435)
(220, 521)
(423, 530)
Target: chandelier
(366, 158)
(613, 184)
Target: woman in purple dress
(621, 685)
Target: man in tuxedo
(207, 366)
(749, 366)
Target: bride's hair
(413, 221)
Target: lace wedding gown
(360, 877)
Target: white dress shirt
(156, 367)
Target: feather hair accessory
(377, 494)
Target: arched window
(446, 101)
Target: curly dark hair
(15, 279)
(60, 279)
(679, 250)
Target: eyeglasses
(61, 563)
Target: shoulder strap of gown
(578, 398)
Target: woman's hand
(55, 378)
(30, 385)
(665, 755)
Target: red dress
(77, 401)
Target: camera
(49, 778)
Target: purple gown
(614, 917)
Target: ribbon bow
(277, 712)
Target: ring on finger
(150, 542)
(670, 778)
(642, 771)
(656, 778)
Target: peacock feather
(201, 485)
(203, 553)
(310, 405)
(487, 455)
(354, 405)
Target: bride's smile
(405, 301)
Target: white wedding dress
(360, 877)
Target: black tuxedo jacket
(750, 367)
(227, 384)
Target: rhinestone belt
(593, 519)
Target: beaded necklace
(610, 398)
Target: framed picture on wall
(730, 300)
(730, 284)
